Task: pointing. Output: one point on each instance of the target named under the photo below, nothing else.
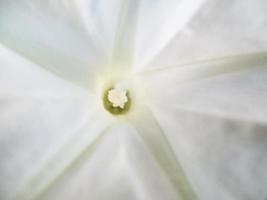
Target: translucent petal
(158, 22)
(239, 84)
(154, 138)
(217, 127)
(118, 167)
(39, 114)
(218, 29)
(24, 79)
(223, 158)
(125, 35)
(52, 34)
(109, 22)
(100, 19)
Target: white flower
(133, 99)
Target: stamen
(116, 100)
(117, 97)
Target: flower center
(116, 100)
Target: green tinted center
(117, 101)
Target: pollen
(117, 100)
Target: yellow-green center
(117, 101)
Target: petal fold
(40, 113)
(51, 34)
(232, 87)
(158, 145)
(217, 126)
(224, 158)
(118, 167)
(158, 22)
(218, 29)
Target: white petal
(233, 87)
(159, 148)
(217, 127)
(125, 35)
(39, 114)
(242, 96)
(223, 158)
(118, 167)
(20, 78)
(219, 28)
(53, 35)
(158, 22)
(100, 18)
(106, 22)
